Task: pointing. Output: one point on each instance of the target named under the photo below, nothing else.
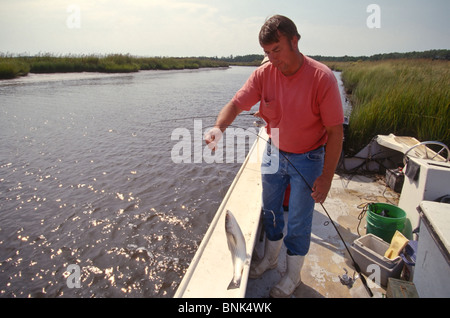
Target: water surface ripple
(86, 178)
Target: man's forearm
(227, 115)
(333, 150)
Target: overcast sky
(219, 27)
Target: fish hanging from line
(236, 245)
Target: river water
(92, 202)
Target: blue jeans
(301, 204)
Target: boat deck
(327, 256)
(211, 268)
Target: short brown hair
(270, 31)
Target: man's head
(279, 39)
(275, 27)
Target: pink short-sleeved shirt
(298, 107)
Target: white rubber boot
(270, 259)
(291, 279)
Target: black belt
(293, 153)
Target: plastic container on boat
(368, 252)
(384, 219)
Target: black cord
(356, 266)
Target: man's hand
(333, 150)
(225, 118)
(212, 138)
(321, 187)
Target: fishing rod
(355, 265)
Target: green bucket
(384, 219)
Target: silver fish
(236, 244)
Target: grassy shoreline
(406, 97)
(11, 67)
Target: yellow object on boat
(398, 243)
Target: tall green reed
(11, 68)
(403, 97)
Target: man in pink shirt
(300, 101)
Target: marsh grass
(11, 67)
(404, 97)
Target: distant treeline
(431, 54)
(249, 60)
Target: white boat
(211, 269)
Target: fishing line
(195, 117)
(356, 266)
